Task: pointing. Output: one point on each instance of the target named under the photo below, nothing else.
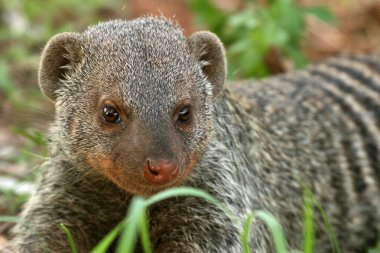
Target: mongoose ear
(60, 55)
(209, 50)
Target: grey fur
(318, 127)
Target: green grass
(69, 237)
(276, 230)
(308, 218)
(136, 224)
(377, 247)
(11, 219)
(12, 201)
(136, 221)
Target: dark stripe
(349, 149)
(371, 149)
(370, 105)
(340, 195)
(357, 75)
(359, 95)
(372, 63)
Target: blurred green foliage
(25, 26)
(12, 201)
(35, 147)
(250, 33)
(66, 13)
(6, 85)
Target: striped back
(327, 119)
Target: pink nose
(160, 172)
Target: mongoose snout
(160, 171)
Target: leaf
(245, 19)
(322, 13)
(298, 57)
(208, 14)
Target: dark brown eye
(184, 116)
(110, 115)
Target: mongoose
(141, 108)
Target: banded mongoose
(141, 108)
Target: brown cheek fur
(107, 167)
(193, 160)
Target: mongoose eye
(110, 115)
(184, 116)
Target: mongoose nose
(160, 172)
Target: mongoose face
(134, 99)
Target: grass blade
(12, 219)
(308, 222)
(144, 232)
(136, 221)
(376, 249)
(106, 242)
(127, 241)
(245, 234)
(276, 230)
(330, 231)
(69, 237)
(182, 191)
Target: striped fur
(327, 118)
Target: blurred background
(262, 37)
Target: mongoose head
(134, 100)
